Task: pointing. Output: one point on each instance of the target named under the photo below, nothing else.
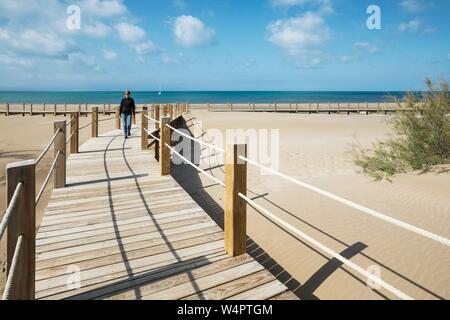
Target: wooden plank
(263, 292)
(235, 287)
(156, 242)
(112, 243)
(204, 283)
(180, 280)
(110, 286)
(129, 255)
(110, 270)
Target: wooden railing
(20, 217)
(110, 109)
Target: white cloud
(145, 47)
(346, 58)
(103, 8)
(416, 26)
(14, 61)
(130, 33)
(77, 57)
(36, 43)
(96, 30)
(323, 6)
(302, 37)
(411, 5)
(367, 47)
(109, 55)
(411, 26)
(192, 32)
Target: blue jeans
(126, 124)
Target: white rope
(196, 167)
(13, 269)
(325, 249)
(196, 140)
(154, 137)
(151, 119)
(70, 138)
(47, 179)
(356, 206)
(11, 207)
(42, 155)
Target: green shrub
(421, 138)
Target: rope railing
(196, 167)
(354, 205)
(44, 152)
(12, 276)
(196, 140)
(151, 119)
(289, 228)
(47, 179)
(88, 125)
(151, 135)
(11, 207)
(70, 138)
(70, 122)
(110, 118)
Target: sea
(201, 97)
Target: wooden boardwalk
(121, 231)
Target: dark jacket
(127, 106)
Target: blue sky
(222, 45)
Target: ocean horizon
(200, 97)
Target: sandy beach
(317, 149)
(24, 138)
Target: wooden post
(94, 122)
(171, 111)
(164, 152)
(31, 110)
(43, 112)
(144, 126)
(157, 116)
(109, 108)
(104, 109)
(65, 109)
(253, 107)
(235, 206)
(74, 129)
(54, 111)
(59, 175)
(23, 222)
(79, 109)
(7, 109)
(118, 115)
(276, 107)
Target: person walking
(127, 112)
